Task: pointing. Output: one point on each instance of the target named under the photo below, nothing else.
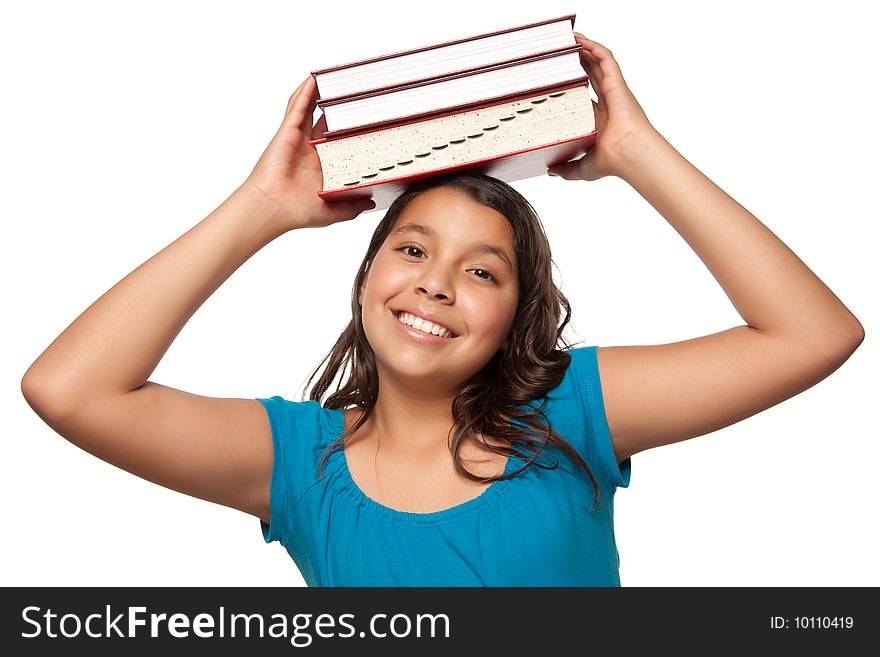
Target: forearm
(115, 344)
(770, 287)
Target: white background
(125, 124)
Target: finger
(294, 96)
(299, 103)
(607, 65)
(594, 73)
(595, 50)
(568, 170)
(345, 210)
(591, 60)
(309, 112)
(591, 65)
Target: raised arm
(90, 385)
(797, 331)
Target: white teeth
(423, 325)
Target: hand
(619, 117)
(288, 175)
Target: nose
(435, 283)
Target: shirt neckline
(484, 499)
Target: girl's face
(453, 259)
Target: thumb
(345, 210)
(569, 170)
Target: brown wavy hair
(527, 370)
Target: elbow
(40, 395)
(30, 386)
(860, 337)
(833, 343)
(848, 342)
(34, 382)
(857, 335)
(860, 333)
(33, 392)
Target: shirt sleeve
(297, 445)
(281, 496)
(598, 444)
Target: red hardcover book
(514, 139)
(475, 86)
(442, 50)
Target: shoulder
(577, 408)
(303, 423)
(301, 433)
(581, 374)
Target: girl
(463, 448)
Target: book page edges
(496, 130)
(440, 79)
(403, 53)
(581, 143)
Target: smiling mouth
(453, 335)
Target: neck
(407, 420)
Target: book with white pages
(441, 59)
(435, 95)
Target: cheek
(384, 284)
(380, 282)
(389, 270)
(507, 313)
(491, 317)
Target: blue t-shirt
(535, 529)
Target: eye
(488, 276)
(409, 246)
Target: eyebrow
(427, 231)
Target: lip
(419, 336)
(424, 315)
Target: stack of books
(508, 104)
